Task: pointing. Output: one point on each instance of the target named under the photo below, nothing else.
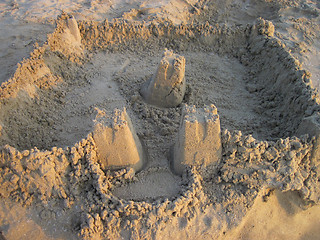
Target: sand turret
(117, 143)
(67, 38)
(199, 140)
(167, 87)
(72, 26)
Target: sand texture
(138, 119)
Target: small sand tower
(167, 87)
(67, 38)
(72, 26)
(199, 138)
(117, 143)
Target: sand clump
(67, 182)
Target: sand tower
(67, 37)
(73, 28)
(167, 87)
(199, 140)
(117, 143)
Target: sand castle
(219, 173)
(167, 87)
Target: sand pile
(113, 174)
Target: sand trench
(53, 165)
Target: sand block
(117, 143)
(167, 87)
(199, 138)
(311, 125)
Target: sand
(87, 151)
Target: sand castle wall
(33, 73)
(278, 78)
(311, 125)
(123, 35)
(74, 176)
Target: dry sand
(256, 61)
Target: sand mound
(257, 86)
